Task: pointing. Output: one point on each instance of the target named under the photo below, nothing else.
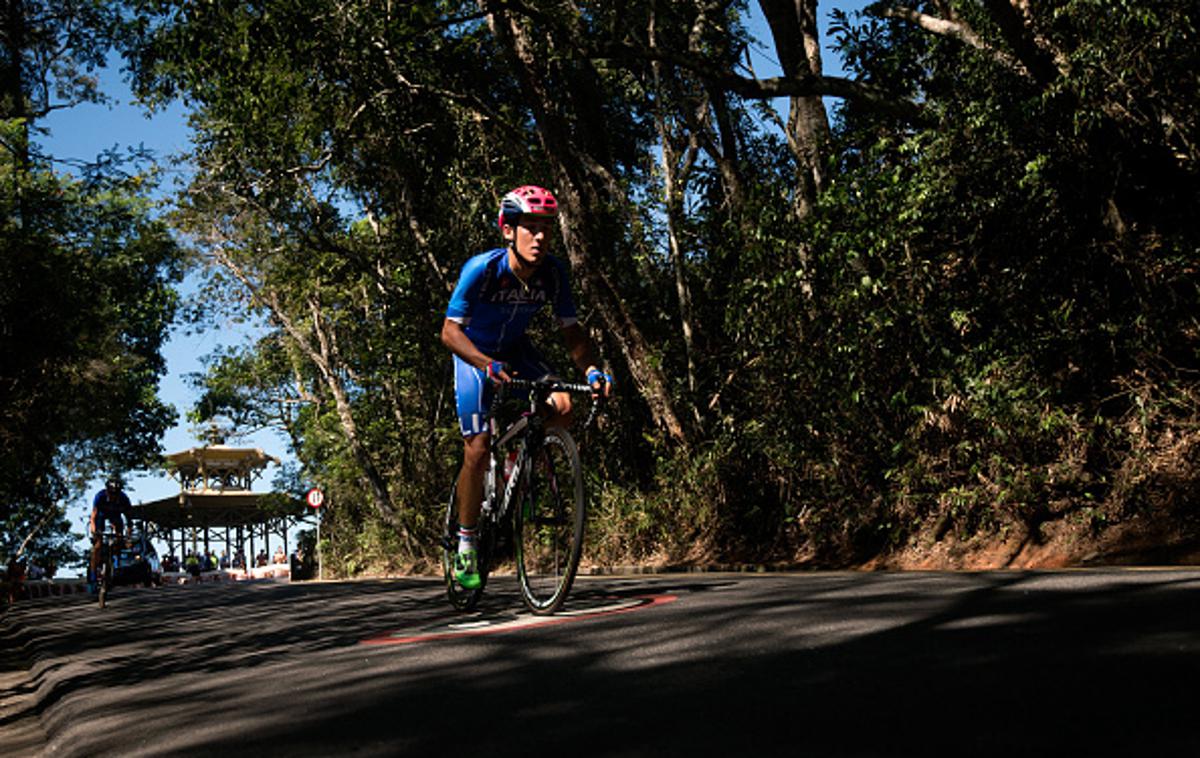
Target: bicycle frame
(528, 430)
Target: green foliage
(987, 286)
(946, 345)
(89, 271)
(88, 307)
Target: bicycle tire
(105, 580)
(549, 520)
(460, 597)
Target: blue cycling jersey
(495, 307)
(106, 504)
(111, 510)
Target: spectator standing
(192, 564)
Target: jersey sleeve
(466, 292)
(564, 304)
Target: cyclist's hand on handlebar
(497, 371)
(601, 382)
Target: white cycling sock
(466, 539)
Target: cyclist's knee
(475, 451)
(560, 406)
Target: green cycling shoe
(466, 569)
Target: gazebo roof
(215, 509)
(219, 457)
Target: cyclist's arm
(579, 345)
(126, 507)
(583, 352)
(457, 341)
(95, 510)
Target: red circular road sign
(315, 497)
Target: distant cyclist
(111, 505)
(497, 295)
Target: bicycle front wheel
(549, 522)
(105, 580)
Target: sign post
(316, 498)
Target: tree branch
(804, 85)
(955, 29)
(1044, 63)
(756, 89)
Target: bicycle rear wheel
(460, 597)
(549, 522)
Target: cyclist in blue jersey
(497, 295)
(111, 505)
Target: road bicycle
(105, 565)
(533, 502)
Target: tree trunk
(320, 354)
(587, 193)
(675, 176)
(323, 358)
(797, 43)
(674, 210)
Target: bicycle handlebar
(546, 387)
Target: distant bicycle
(110, 543)
(532, 497)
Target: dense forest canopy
(86, 286)
(959, 308)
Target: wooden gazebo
(215, 495)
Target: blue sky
(83, 132)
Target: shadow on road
(855, 665)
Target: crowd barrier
(35, 588)
(31, 589)
(273, 571)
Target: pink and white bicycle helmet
(536, 201)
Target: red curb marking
(647, 601)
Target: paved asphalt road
(1013, 663)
